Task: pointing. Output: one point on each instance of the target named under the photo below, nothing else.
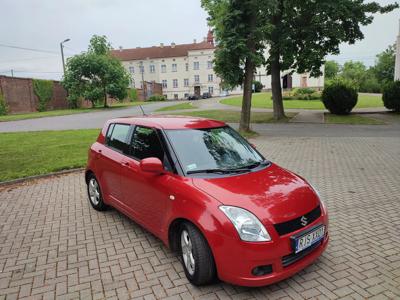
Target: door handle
(127, 165)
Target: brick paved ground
(52, 244)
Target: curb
(30, 178)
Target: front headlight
(247, 225)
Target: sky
(42, 24)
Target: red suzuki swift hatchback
(210, 196)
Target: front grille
(295, 224)
(292, 258)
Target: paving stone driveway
(52, 244)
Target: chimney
(210, 37)
(161, 45)
(194, 41)
(172, 45)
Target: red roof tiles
(160, 52)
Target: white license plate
(309, 239)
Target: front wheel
(94, 194)
(197, 259)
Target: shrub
(43, 89)
(157, 98)
(3, 105)
(303, 91)
(257, 86)
(302, 94)
(132, 95)
(340, 97)
(391, 96)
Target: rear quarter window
(117, 136)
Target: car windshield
(212, 150)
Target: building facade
(187, 69)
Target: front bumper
(235, 259)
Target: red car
(210, 196)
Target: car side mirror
(152, 165)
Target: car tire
(196, 256)
(94, 193)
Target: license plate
(309, 239)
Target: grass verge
(26, 154)
(352, 119)
(234, 116)
(180, 106)
(63, 112)
(263, 100)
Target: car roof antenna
(141, 108)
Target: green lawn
(351, 119)
(233, 116)
(263, 100)
(63, 112)
(34, 153)
(180, 106)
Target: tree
(304, 32)
(384, 65)
(355, 72)
(239, 32)
(95, 74)
(332, 69)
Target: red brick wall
(20, 97)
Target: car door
(147, 194)
(110, 159)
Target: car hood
(273, 194)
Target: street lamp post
(62, 53)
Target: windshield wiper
(251, 166)
(220, 171)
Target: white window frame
(210, 64)
(197, 78)
(174, 68)
(163, 68)
(196, 65)
(210, 77)
(175, 83)
(186, 82)
(152, 68)
(164, 84)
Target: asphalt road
(79, 121)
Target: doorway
(197, 91)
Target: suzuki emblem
(303, 221)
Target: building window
(164, 84)
(132, 82)
(176, 96)
(209, 64)
(175, 83)
(197, 78)
(186, 95)
(152, 68)
(210, 77)
(163, 68)
(211, 90)
(196, 65)
(186, 82)
(187, 67)
(174, 67)
(132, 69)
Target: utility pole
(62, 53)
(12, 73)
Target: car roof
(169, 122)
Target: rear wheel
(94, 193)
(197, 259)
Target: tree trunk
(105, 98)
(279, 112)
(247, 94)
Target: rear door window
(117, 139)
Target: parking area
(53, 244)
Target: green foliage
(156, 98)
(132, 95)
(340, 97)
(43, 89)
(302, 94)
(95, 74)
(332, 69)
(384, 65)
(391, 96)
(3, 106)
(258, 86)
